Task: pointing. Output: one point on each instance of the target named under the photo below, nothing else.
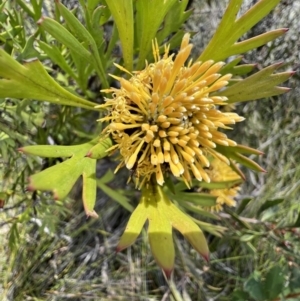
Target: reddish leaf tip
(89, 154)
(92, 214)
(55, 196)
(285, 29)
(20, 149)
(39, 22)
(279, 64)
(206, 257)
(120, 248)
(168, 272)
(30, 188)
(292, 73)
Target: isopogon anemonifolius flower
(165, 119)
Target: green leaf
(32, 81)
(160, 236)
(149, 17)
(61, 177)
(239, 295)
(199, 210)
(274, 282)
(134, 226)
(122, 12)
(56, 57)
(259, 85)
(62, 35)
(29, 52)
(84, 36)
(108, 177)
(173, 20)
(116, 196)
(294, 279)
(268, 204)
(230, 30)
(247, 237)
(255, 287)
(212, 185)
(184, 224)
(57, 151)
(89, 188)
(243, 204)
(238, 219)
(201, 199)
(98, 151)
(233, 152)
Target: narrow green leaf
(246, 162)
(56, 151)
(108, 177)
(199, 210)
(62, 35)
(116, 196)
(173, 20)
(134, 226)
(201, 199)
(89, 188)
(268, 204)
(161, 238)
(256, 13)
(149, 17)
(84, 36)
(231, 153)
(243, 204)
(122, 12)
(256, 42)
(56, 57)
(238, 219)
(32, 81)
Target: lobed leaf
(32, 81)
(185, 225)
(230, 30)
(85, 37)
(259, 85)
(61, 177)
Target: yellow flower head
(221, 172)
(166, 118)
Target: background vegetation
(50, 251)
